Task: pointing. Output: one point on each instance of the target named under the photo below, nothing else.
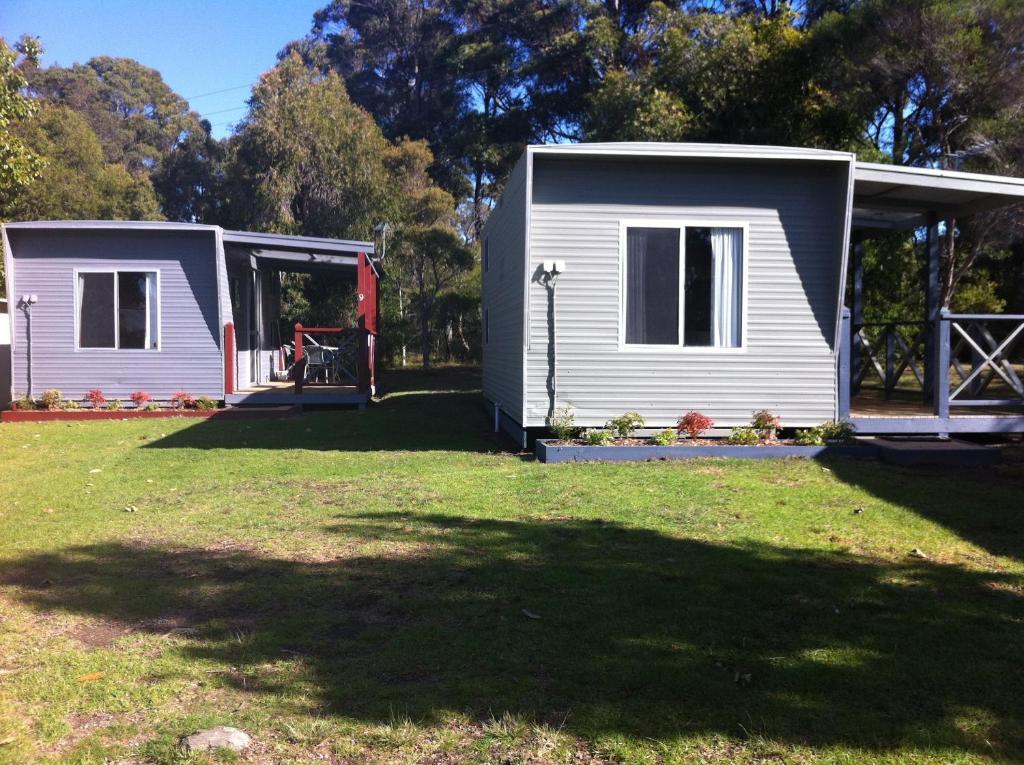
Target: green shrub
(766, 424)
(115, 405)
(152, 406)
(205, 402)
(745, 435)
(833, 431)
(23, 403)
(51, 399)
(599, 437)
(70, 405)
(562, 424)
(809, 437)
(665, 437)
(626, 424)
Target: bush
(744, 435)
(665, 437)
(51, 399)
(152, 406)
(24, 403)
(599, 437)
(694, 424)
(96, 398)
(833, 431)
(70, 405)
(562, 424)
(766, 424)
(183, 400)
(809, 437)
(115, 405)
(205, 402)
(140, 398)
(624, 425)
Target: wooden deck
(283, 394)
(908, 413)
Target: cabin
(124, 306)
(664, 278)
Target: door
(254, 321)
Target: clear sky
(199, 47)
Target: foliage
(51, 399)
(183, 400)
(206, 403)
(624, 425)
(809, 437)
(744, 435)
(70, 404)
(19, 164)
(140, 398)
(665, 437)
(694, 424)
(152, 406)
(96, 398)
(562, 424)
(25, 403)
(837, 431)
(115, 405)
(598, 437)
(766, 424)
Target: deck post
(857, 318)
(941, 369)
(299, 368)
(368, 317)
(931, 304)
(229, 358)
(890, 360)
(844, 373)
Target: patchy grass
(396, 586)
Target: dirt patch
(98, 634)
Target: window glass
(132, 311)
(96, 310)
(698, 284)
(652, 286)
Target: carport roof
(891, 196)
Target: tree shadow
(979, 504)
(597, 627)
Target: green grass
(396, 585)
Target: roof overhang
(895, 197)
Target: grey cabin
(124, 306)
(664, 278)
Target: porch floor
(283, 394)
(906, 412)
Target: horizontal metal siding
(502, 291)
(189, 356)
(794, 211)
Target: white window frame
(117, 317)
(681, 224)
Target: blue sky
(199, 47)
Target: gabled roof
(711, 150)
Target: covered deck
(940, 373)
(267, 364)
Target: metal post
(857, 317)
(843, 373)
(941, 373)
(931, 303)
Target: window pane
(698, 282)
(652, 286)
(132, 290)
(95, 310)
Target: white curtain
(726, 256)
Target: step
(936, 451)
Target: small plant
(694, 424)
(745, 435)
(562, 424)
(51, 399)
(96, 398)
(599, 437)
(140, 398)
(152, 406)
(836, 432)
(115, 405)
(809, 437)
(766, 424)
(24, 403)
(624, 425)
(183, 400)
(70, 405)
(665, 437)
(205, 403)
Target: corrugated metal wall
(795, 211)
(503, 291)
(189, 358)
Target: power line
(225, 111)
(216, 92)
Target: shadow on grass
(598, 627)
(421, 411)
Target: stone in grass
(222, 736)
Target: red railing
(364, 367)
(229, 359)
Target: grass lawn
(395, 586)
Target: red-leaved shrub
(694, 424)
(183, 400)
(96, 398)
(140, 398)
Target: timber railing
(984, 356)
(888, 351)
(333, 356)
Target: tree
(19, 165)
(77, 182)
(190, 180)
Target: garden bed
(44, 415)
(552, 450)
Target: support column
(931, 304)
(857, 310)
(368, 319)
(844, 374)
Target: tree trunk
(425, 344)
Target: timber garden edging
(550, 451)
